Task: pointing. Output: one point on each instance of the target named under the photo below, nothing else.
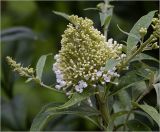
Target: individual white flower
(106, 78)
(82, 84)
(56, 57)
(78, 89)
(58, 87)
(99, 73)
(89, 102)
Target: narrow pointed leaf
(76, 98)
(64, 15)
(40, 66)
(143, 56)
(45, 115)
(17, 33)
(110, 64)
(151, 111)
(144, 22)
(136, 125)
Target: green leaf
(64, 15)
(128, 80)
(40, 66)
(144, 22)
(107, 21)
(14, 113)
(136, 125)
(76, 98)
(17, 33)
(138, 89)
(144, 114)
(157, 88)
(45, 115)
(150, 111)
(143, 56)
(129, 34)
(110, 64)
(113, 118)
(105, 17)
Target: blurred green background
(20, 102)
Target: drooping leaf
(157, 88)
(64, 15)
(138, 89)
(143, 56)
(46, 114)
(110, 64)
(13, 113)
(151, 111)
(129, 34)
(145, 115)
(114, 117)
(17, 33)
(40, 66)
(136, 125)
(76, 98)
(144, 22)
(122, 103)
(128, 80)
(145, 72)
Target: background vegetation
(20, 102)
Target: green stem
(141, 48)
(143, 45)
(103, 108)
(127, 118)
(46, 86)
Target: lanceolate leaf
(110, 64)
(105, 17)
(113, 118)
(64, 15)
(17, 33)
(127, 81)
(150, 111)
(144, 22)
(136, 125)
(138, 89)
(40, 66)
(157, 88)
(76, 98)
(143, 56)
(129, 34)
(45, 116)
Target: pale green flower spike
(82, 58)
(23, 71)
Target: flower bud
(143, 31)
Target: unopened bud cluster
(156, 26)
(82, 58)
(23, 71)
(143, 32)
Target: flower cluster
(23, 71)
(82, 58)
(156, 26)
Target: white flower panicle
(82, 58)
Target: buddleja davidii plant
(89, 66)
